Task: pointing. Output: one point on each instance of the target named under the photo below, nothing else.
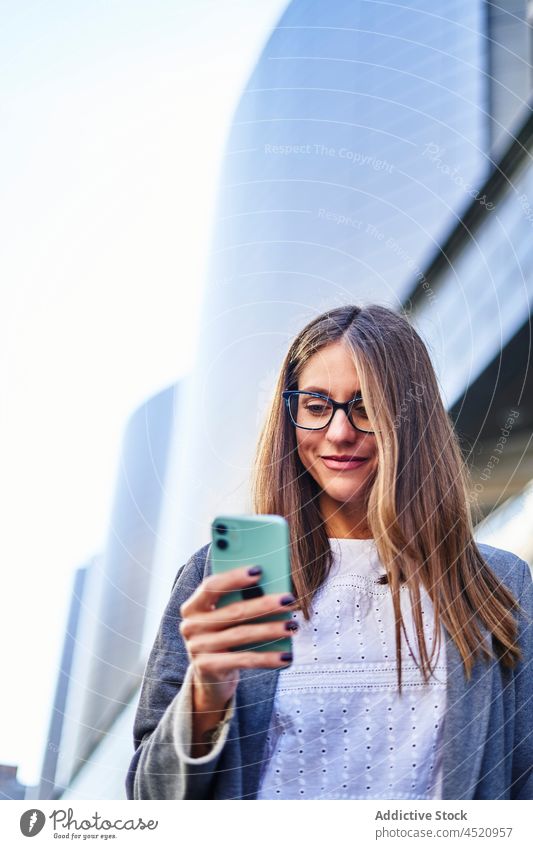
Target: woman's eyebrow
(323, 391)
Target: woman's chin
(344, 493)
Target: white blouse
(339, 729)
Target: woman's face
(331, 371)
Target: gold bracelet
(210, 736)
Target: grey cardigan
(488, 728)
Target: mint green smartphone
(259, 540)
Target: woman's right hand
(210, 633)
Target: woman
(410, 676)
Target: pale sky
(114, 117)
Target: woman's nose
(340, 427)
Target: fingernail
(255, 570)
(287, 599)
(286, 656)
(291, 625)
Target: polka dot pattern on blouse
(339, 729)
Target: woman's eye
(317, 409)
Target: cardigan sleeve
(161, 767)
(522, 777)
(183, 726)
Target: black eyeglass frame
(347, 407)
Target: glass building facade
(103, 661)
(483, 295)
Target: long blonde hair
(418, 509)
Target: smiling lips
(343, 462)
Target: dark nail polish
(287, 599)
(255, 570)
(286, 656)
(291, 625)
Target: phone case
(261, 540)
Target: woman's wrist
(210, 698)
(207, 720)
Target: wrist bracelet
(210, 736)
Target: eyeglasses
(313, 411)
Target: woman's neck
(344, 521)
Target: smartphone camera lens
(222, 543)
(221, 529)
